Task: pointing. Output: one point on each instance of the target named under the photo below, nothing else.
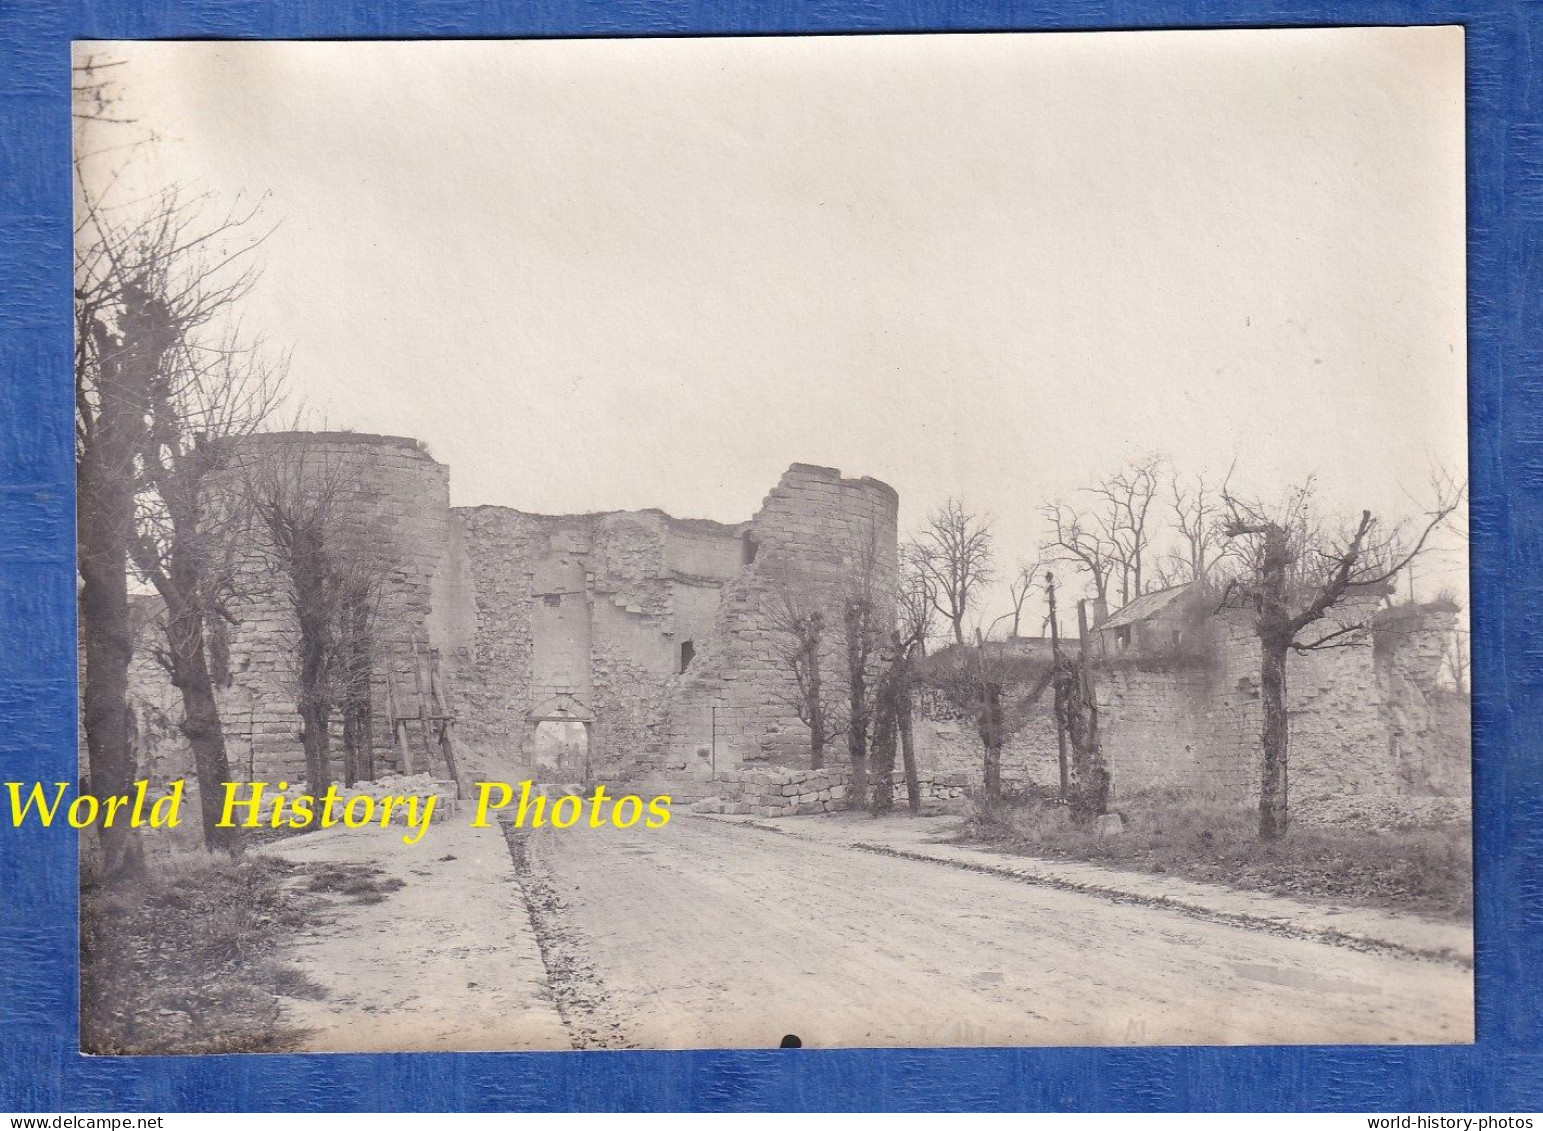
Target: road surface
(707, 934)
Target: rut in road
(577, 988)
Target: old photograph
(852, 541)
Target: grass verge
(183, 959)
(1426, 870)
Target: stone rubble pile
(421, 786)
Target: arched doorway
(559, 745)
(561, 750)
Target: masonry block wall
(397, 502)
(949, 750)
(1369, 721)
(820, 534)
(578, 617)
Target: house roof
(1147, 606)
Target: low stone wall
(773, 792)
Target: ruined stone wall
(949, 749)
(1366, 721)
(581, 616)
(820, 535)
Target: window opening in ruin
(750, 547)
(562, 750)
(687, 654)
(552, 599)
(1122, 636)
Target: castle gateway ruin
(620, 645)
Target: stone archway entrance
(561, 750)
(559, 745)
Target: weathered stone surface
(1368, 721)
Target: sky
(608, 274)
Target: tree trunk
(1273, 813)
(857, 796)
(358, 753)
(107, 645)
(350, 747)
(314, 720)
(885, 734)
(816, 712)
(991, 736)
(104, 478)
(205, 734)
(315, 707)
(913, 789)
(993, 773)
(855, 617)
(1088, 778)
(201, 723)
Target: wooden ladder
(429, 708)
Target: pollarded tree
(307, 504)
(802, 640)
(1298, 580)
(867, 619)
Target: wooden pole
(1060, 723)
(398, 724)
(1086, 672)
(443, 720)
(419, 693)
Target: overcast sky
(620, 274)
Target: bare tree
(802, 640)
(892, 725)
(953, 550)
(117, 350)
(1458, 656)
(309, 507)
(1124, 510)
(1079, 540)
(162, 380)
(1023, 583)
(914, 609)
(206, 392)
(1199, 516)
(1293, 574)
(980, 681)
(867, 619)
(1112, 536)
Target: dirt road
(707, 934)
(445, 963)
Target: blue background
(40, 1069)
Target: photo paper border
(41, 1069)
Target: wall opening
(562, 750)
(687, 654)
(749, 548)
